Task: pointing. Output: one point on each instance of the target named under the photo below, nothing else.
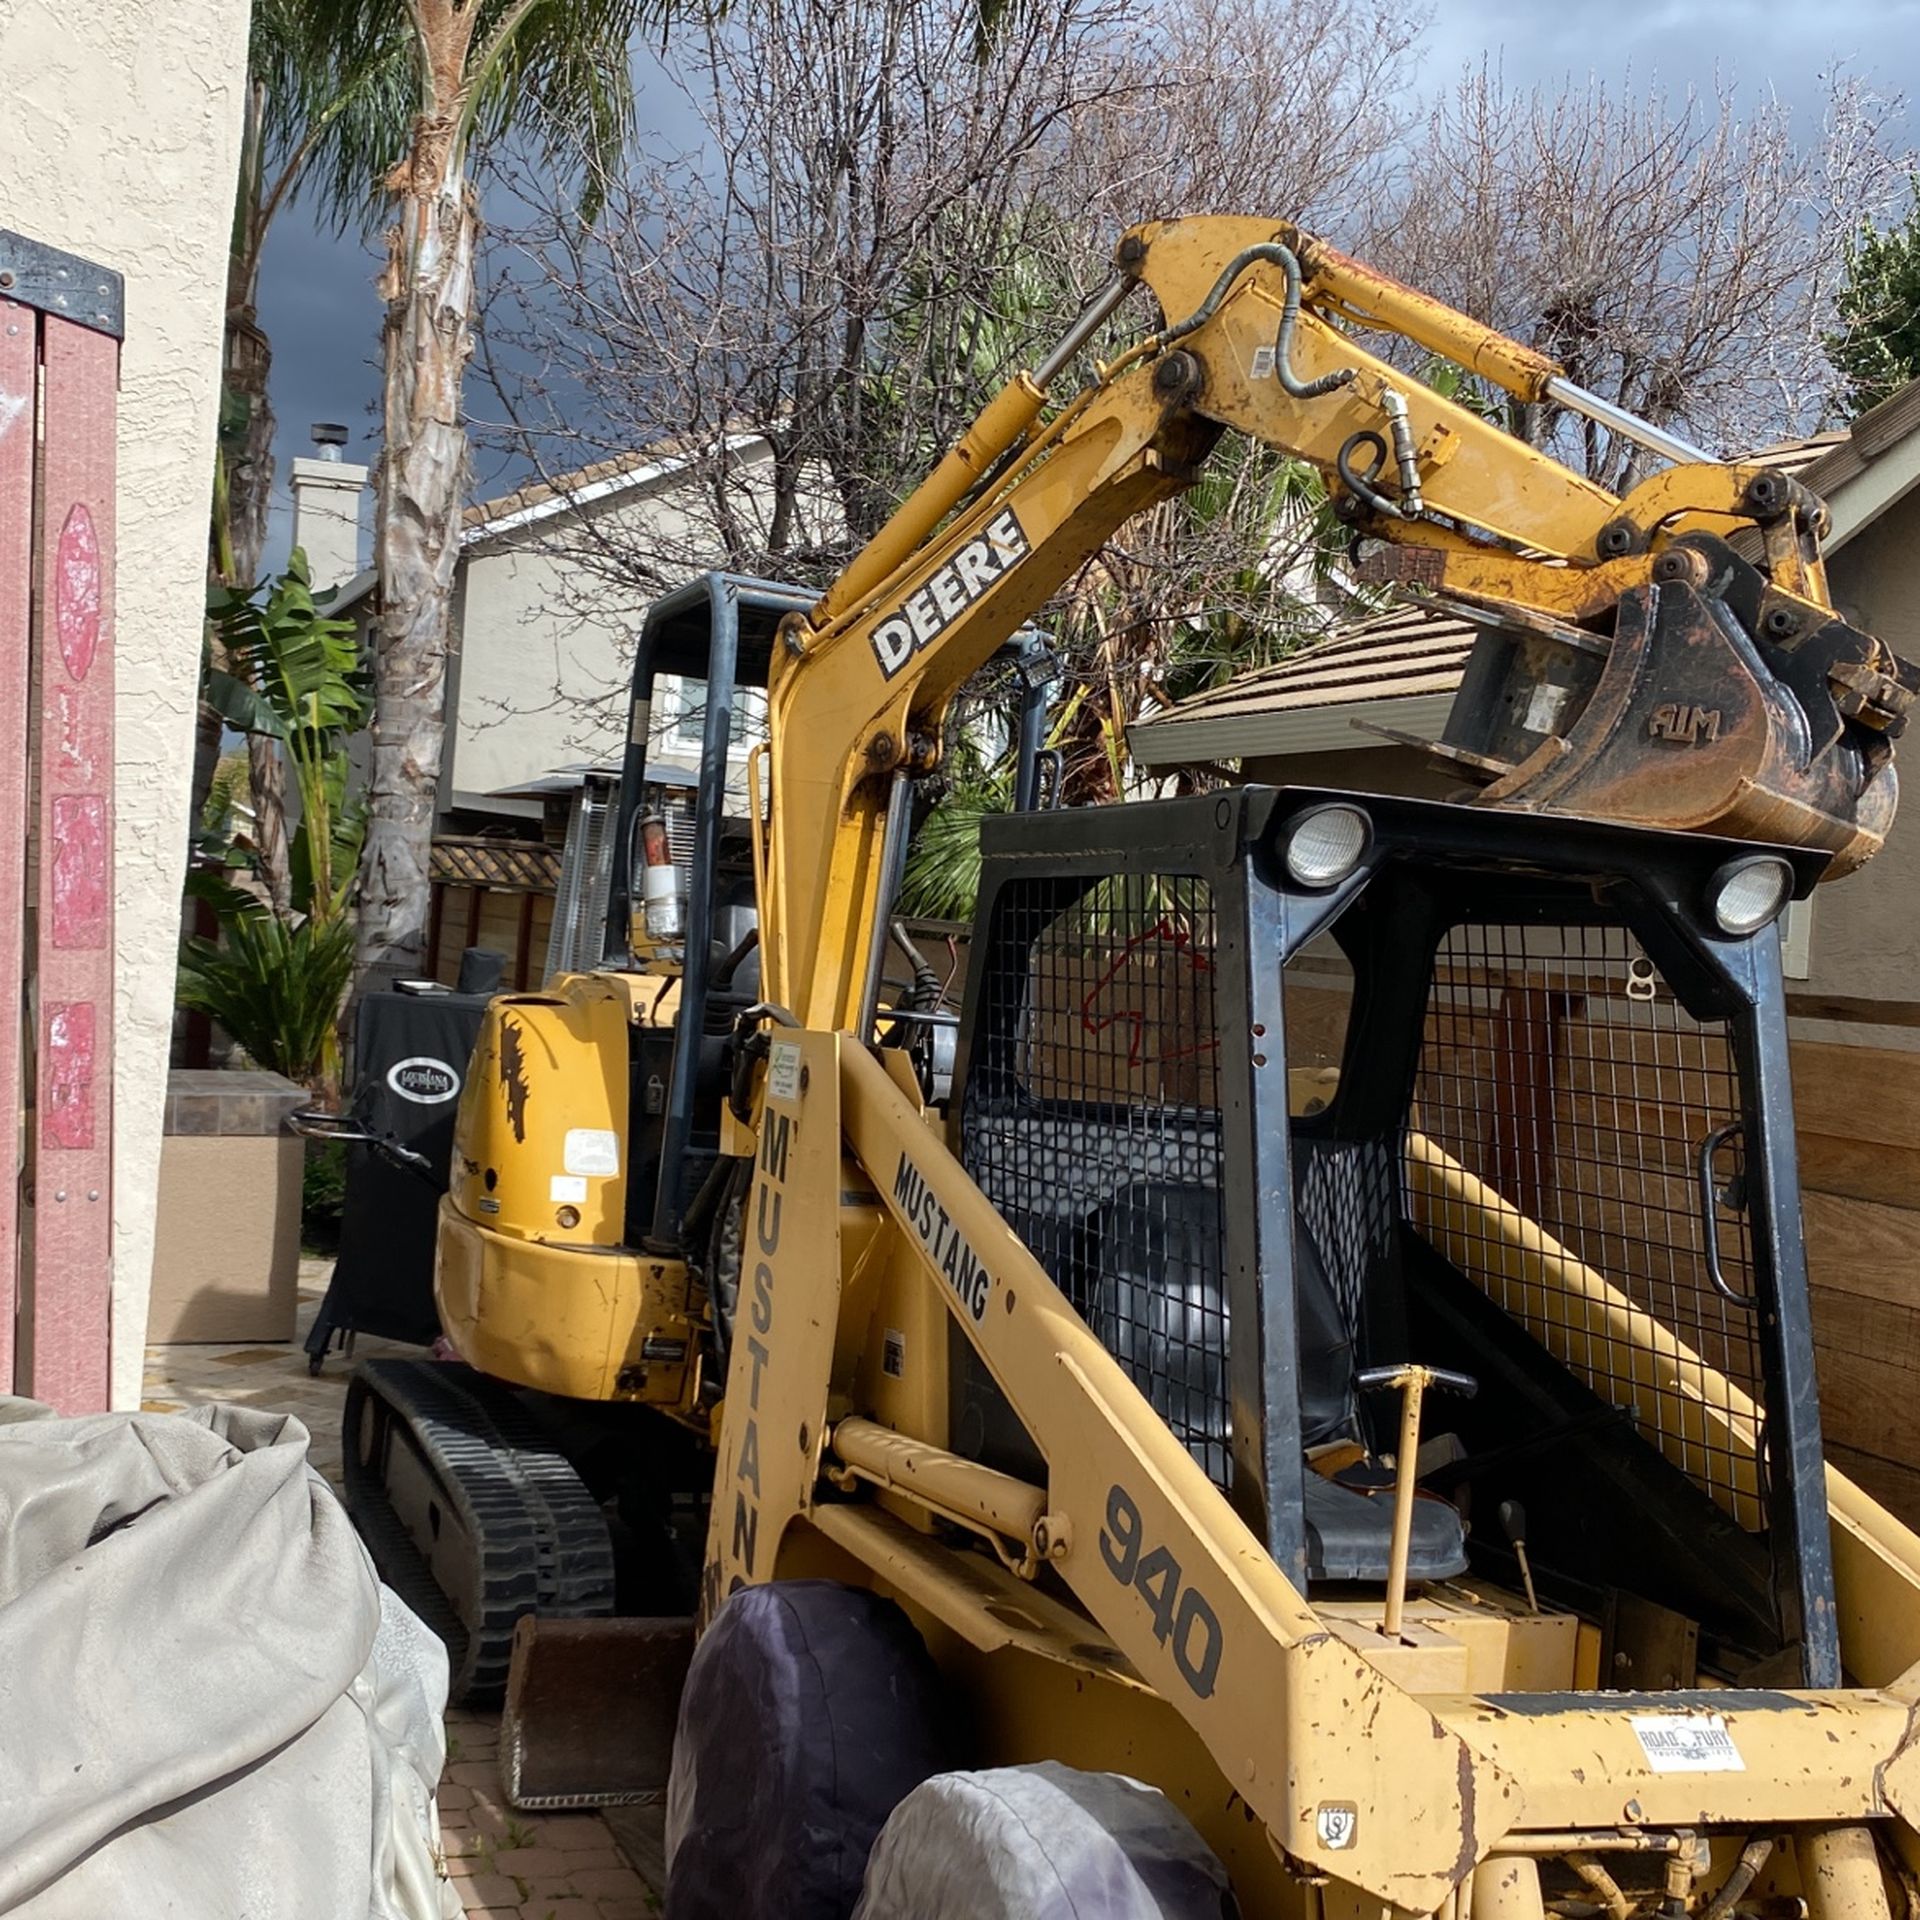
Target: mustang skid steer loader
(1341, 1352)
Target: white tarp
(1044, 1842)
(209, 1706)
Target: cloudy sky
(320, 309)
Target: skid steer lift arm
(1637, 665)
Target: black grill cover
(410, 1062)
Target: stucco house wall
(1866, 935)
(120, 143)
(546, 641)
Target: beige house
(546, 615)
(1853, 950)
(121, 144)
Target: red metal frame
(73, 969)
(19, 383)
(59, 381)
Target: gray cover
(211, 1708)
(1044, 1842)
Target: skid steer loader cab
(1286, 1088)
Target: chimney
(326, 508)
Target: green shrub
(274, 985)
(323, 1193)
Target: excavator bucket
(1706, 710)
(591, 1706)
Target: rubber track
(541, 1539)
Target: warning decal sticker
(1686, 1743)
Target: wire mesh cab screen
(1501, 1099)
(1563, 1103)
(1093, 1125)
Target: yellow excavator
(1322, 1332)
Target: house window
(683, 707)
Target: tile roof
(1409, 650)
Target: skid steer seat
(1157, 1304)
(1349, 1534)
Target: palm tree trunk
(249, 491)
(206, 761)
(250, 466)
(246, 490)
(428, 338)
(267, 776)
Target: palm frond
(275, 986)
(345, 86)
(341, 80)
(559, 72)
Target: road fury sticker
(1686, 1743)
(949, 591)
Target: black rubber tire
(811, 1710)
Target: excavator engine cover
(1690, 716)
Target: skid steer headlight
(1325, 845)
(1746, 894)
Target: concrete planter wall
(226, 1254)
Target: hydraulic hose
(1272, 253)
(1410, 505)
(1753, 1856)
(1605, 1887)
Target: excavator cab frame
(720, 629)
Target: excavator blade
(591, 1706)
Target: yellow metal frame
(592, 1325)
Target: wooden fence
(492, 893)
(1859, 1117)
(1857, 1111)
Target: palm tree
(452, 78)
(554, 71)
(381, 109)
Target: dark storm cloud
(1685, 43)
(319, 306)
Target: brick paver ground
(506, 1866)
